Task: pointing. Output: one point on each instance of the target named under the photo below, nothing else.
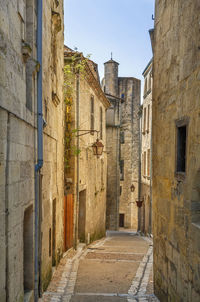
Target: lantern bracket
(87, 132)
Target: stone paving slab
(114, 256)
(105, 276)
(97, 299)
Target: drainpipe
(139, 172)
(39, 163)
(77, 158)
(150, 212)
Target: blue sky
(99, 27)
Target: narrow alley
(116, 268)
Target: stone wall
(129, 90)
(86, 171)
(176, 197)
(53, 109)
(146, 136)
(18, 147)
(113, 178)
(122, 124)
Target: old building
(146, 139)
(176, 151)
(123, 147)
(31, 146)
(85, 174)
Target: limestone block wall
(113, 177)
(146, 136)
(18, 147)
(87, 172)
(17, 150)
(53, 168)
(92, 168)
(129, 89)
(176, 197)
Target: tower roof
(111, 61)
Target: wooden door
(54, 233)
(68, 221)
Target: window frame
(121, 167)
(92, 114)
(183, 122)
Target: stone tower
(122, 146)
(113, 143)
(111, 77)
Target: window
(102, 173)
(145, 86)
(149, 82)
(122, 137)
(121, 169)
(30, 41)
(148, 162)
(148, 117)
(181, 149)
(101, 123)
(144, 120)
(92, 115)
(120, 190)
(144, 164)
(28, 249)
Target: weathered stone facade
(123, 147)
(176, 151)
(146, 138)
(18, 144)
(87, 172)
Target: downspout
(7, 206)
(150, 212)
(139, 184)
(77, 158)
(39, 163)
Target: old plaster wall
(176, 197)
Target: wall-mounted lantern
(97, 148)
(132, 188)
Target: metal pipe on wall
(77, 158)
(39, 163)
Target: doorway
(68, 221)
(54, 233)
(28, 249)
(121, 220)
(82, 216)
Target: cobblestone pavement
(116, 268)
